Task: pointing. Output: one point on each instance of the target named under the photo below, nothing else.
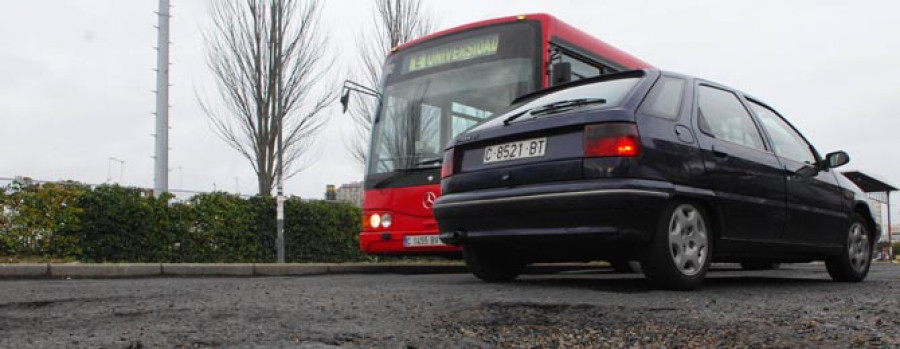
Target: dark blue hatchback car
(673, 171)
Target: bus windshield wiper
(556, 107)
(433, 160)
(397, 173)
(401, 172)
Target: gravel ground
(795, 307)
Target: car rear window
(613, 91)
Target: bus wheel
(492, 264)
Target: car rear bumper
(610, 212)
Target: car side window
(786, 141)
(721, 115)
(665, 98)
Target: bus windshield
(439, 88)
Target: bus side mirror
(345, 100)
(353, 86)
(561, 73)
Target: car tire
(756, 265)
(680, 251)
(852, 264)
(492, 264)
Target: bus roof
(464, 27)
(548, 23)
(564, 30)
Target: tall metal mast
(161, 158)
(279, 113)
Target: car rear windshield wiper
(567, 104)
(556, 107)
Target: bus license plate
(529, 148)
(422, 240)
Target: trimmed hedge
(32, 217)
(109, 223)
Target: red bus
(437, 86)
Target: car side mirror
(836, 159)
(561, 73)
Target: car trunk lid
(546, 149)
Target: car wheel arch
(863, 210)
(712, 214)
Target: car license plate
(529, 148)
(422, 240)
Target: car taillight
(611, 139)
(447, 164)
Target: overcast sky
(76, 78)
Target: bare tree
(266, 56)
(394, 22)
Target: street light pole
(109, 170)
(890, 240)
(279, 240)
(279, 113)
(121, 170)
(161, 159)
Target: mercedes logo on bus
(428, 201)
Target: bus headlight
(386, 221)
(375, 221)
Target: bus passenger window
(580, 69)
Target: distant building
(330, 194)
(876, 210)
(351, 192)
(879, 213)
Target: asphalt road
(797, 306)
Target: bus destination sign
(452, 53)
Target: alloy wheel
(688, 239)
(858, 247)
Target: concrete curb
(103, 270)
(291, 269)
(133, 270)
(428, 269)
(138, 270)
(212, 269)
(29, 270)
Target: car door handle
(718, 154)
(801, 173)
